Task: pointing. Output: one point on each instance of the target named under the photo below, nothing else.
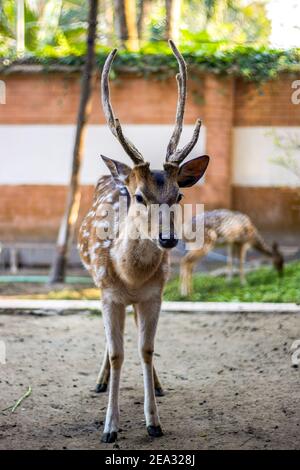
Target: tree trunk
(126, 23)
(140, 18)
(120, 22)
(66, 231)
(173, 8)
(131, 19)
(143, 11)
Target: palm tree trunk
(173, 8)
(143, 11)
(66, 231)
(120, 22)
(131, 19)
(126, 23)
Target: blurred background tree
(61, 24)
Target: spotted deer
(133, 270)
(234, 229)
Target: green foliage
(211, 34)
(255, 64)
(263, 285)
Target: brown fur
(96, 254)
(234, 229)
(129, 263)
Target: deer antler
(173, 155)
(114, 123)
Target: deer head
(161, 187)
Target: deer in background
(234, 229)
(133, 271)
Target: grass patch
(70, 293)
(263, 285)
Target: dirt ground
(228, 380)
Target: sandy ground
(228, 378)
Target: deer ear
(118, 170)
(190, 172)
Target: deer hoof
(109, 437)
(159, 392)
(101, 388)
(155, 431)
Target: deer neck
(137, 258)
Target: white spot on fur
(99, 275)
(94, 256)
(86, 265)
(101, 224)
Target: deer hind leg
(114, 319)
(103, 377)
(159, 391)
(147, 322)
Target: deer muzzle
(167, 240)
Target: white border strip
(181, 307)
(47, 150)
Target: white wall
(41, 154)
(253, 148)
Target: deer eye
(179, 197)
(139, 198)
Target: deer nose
(167, 240)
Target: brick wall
(53, 99)
(269, 104)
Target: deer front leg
(148, 314)
(186, 271)
(114, 319)
(243, 253)
(185, 278)
(159, 392)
